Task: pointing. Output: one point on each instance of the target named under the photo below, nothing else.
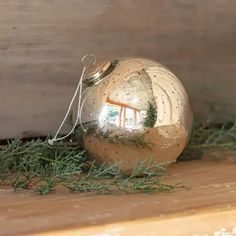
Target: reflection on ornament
(134, 109)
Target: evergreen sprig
(41, 167)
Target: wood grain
(41, 43)
(206, 204)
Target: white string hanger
(80, 102)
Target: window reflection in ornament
(121, 115)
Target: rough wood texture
(207, 206)
(41, 43)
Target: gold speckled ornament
(134, 109)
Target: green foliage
(151, 117)
(45, 188)
(20, 183)
(38, 166)
(86, 185)
(37, 159)
(208, 137)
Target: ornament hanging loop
(86, 64)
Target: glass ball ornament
(134, 109)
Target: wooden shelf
(207, 205)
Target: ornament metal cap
(95, 72)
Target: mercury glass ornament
(134, 109)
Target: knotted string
(80, 103)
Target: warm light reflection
(121, 115)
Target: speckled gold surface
(119, 106)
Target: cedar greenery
(209, 137)
(37, 166)
(40, 167)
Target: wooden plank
(213, 223)
(205, 206)
(41, 43)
